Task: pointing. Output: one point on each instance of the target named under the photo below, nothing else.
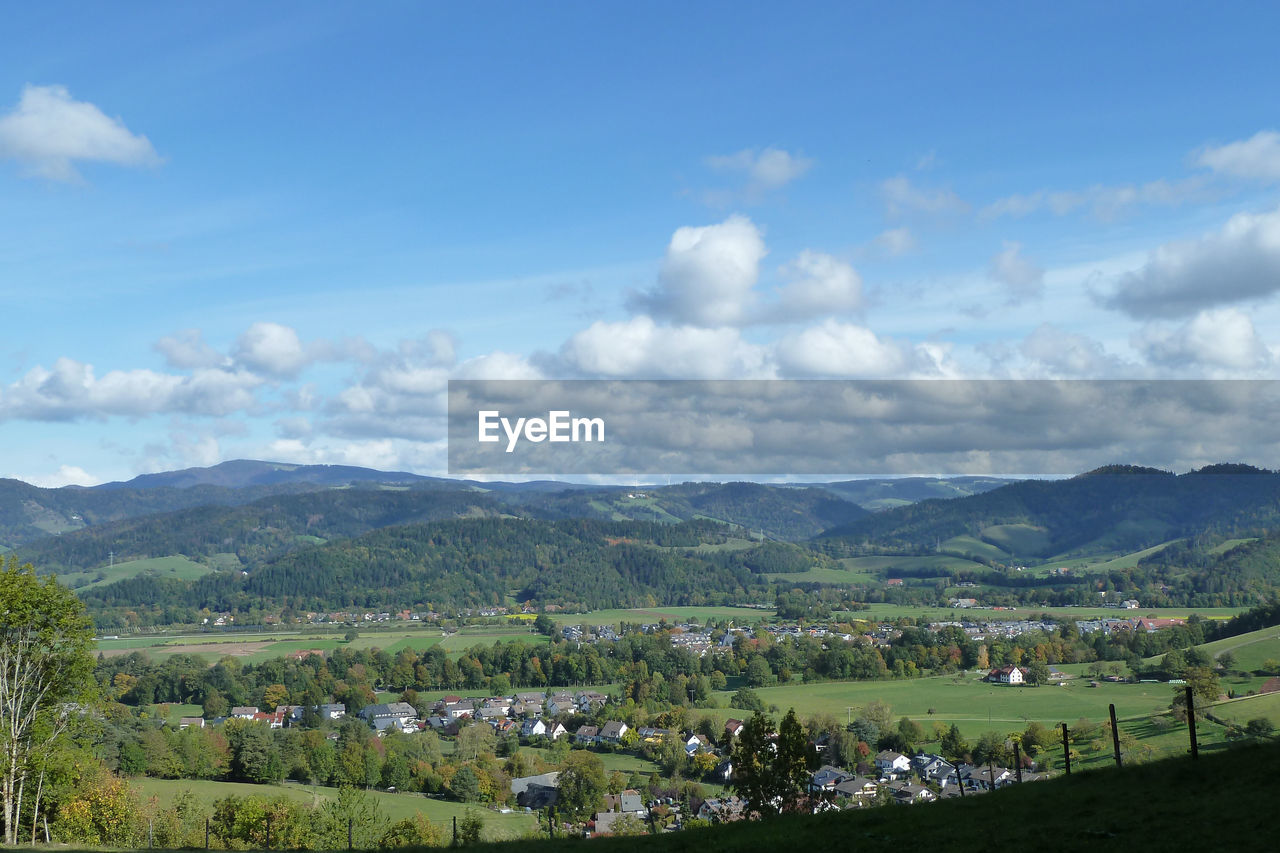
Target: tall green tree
(46, 673)
(582, 784)
(752, 760)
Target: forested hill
(1119, 508)
(28, 513)
(777, 512)
(256, 532)
(477, 562)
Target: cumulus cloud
(66, 475)
(770, 169)
(639, 347)
(708, 275)
(1022, 278)
(1069, 355)
(48, 132)
(271, 349)
(840, 349)
(187, 349)
(71, 390)
(1240, 262)
(1223, 338)
(819, 284)
(1255, 158)
(902, 198)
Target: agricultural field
(177, 567)
(1251, 651)
(969, 546)
(258, 647)
(973, 705)
(1017, 539)
(942, 614)
(1244, 709)
(394, 807)
(739, 615)
(874, 566)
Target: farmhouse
(1009, 674)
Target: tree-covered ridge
(1121, 507)
(477, 562)
(779, 512)
(255, 532)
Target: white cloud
(71, 390)
(497, 365)
(1069, 355)
(895, 241)
(1104, 202)
(48, 132)
(187, 349)
(1239, 263)
(1021, 276)
(1223, 338)
(835, 349)
(708, 275)
(1255, 158)
(819, 284)
(769, 169)
(66, 475)
(640, 348)
(901, 198)
(271, 349)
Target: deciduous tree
(45, 671)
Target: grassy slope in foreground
(1225, 801)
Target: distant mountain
(1116, 508)
(888, 492)
(774, 511)
(254, 532)
(242, 473)
(29, 513)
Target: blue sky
(276, 230)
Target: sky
(275, 231)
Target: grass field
(177, 567)
(258, 647)
(1250, 650)
(973, 705)
(970, 546)
(740, 615)
(1249, 707)
(943, 614)
(1017, 539)
(394, 807)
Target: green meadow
(394, 807)
(176, 567)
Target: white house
(891, 763)
(1009, 674)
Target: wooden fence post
(1191, 723)
(1017, 762)
(1115, 735)
(1066, 748)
